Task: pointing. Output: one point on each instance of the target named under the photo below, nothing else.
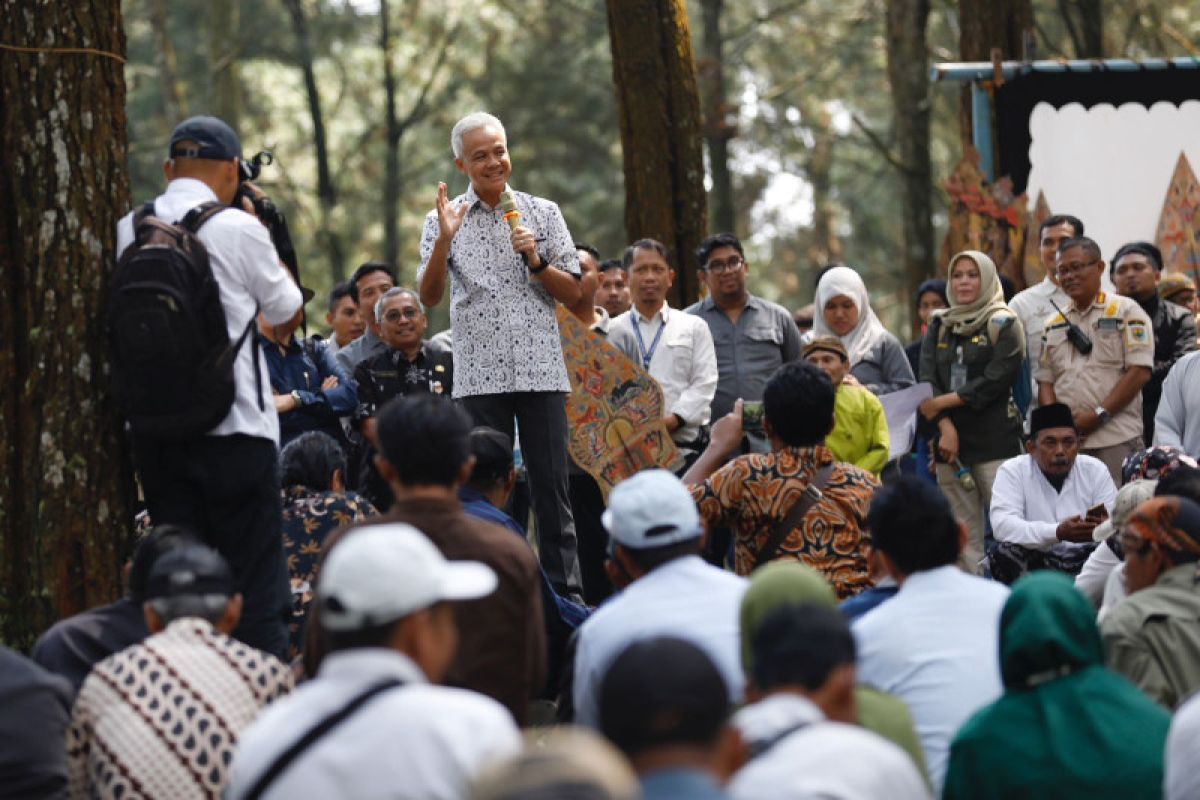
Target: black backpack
(172, 360)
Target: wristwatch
(296, 396)
(1103, 414)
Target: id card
(958, 376)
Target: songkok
(828, 344)
(1055, 415)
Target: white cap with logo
(380, 573)
(651, 509)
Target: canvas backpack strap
(811, 496)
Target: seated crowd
(798, 608)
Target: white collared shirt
(686, 598)
(819, 759)
(936, 646)
(1177, 422)
(1026, 509)
(683, 361)
(417, 741)
(1033, 306)
(250, 279)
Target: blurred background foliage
(807, 115)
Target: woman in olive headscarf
(971, 354)
(790, 583)
(1066, 726)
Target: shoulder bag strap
(285, 759)
(810, 497)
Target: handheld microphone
(508, 204)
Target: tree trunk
(174, 102)
(224, 86)
(718, 128)
(326, 190)
(655, 78)
(825, 247)
(908, 75)
(987, 24)
(391, 179)
(65, 486)
(1084, 21)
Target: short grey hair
(472, 122)
(395, 291)
(209, 607)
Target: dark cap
(1055, 415)
(189, 570)
(661, 692)
(213, 139)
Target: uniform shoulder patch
(1137, 333)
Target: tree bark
(825, 247)
(718, 128)
(224, 86)
(65, 482)
(654, 73)
(1084, 21)
(392, 136)
(987, 24)
(326, 189)
(908, 76)
(174, 102)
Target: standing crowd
(333, 592)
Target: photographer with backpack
(193, 275)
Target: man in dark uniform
(411, 365)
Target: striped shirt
(161, 718)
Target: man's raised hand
(450, 219)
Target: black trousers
(542, 420)
(226, 489)
(587, 504)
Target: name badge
(1108, 324)
(958, 376)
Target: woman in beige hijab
(971, 354)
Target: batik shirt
(162, 718)
(505, 330)
(753, 493)
(308, 518)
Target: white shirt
(1026, 509)
(686, 598)
(417, 741)
(1033, 306)
(936, 646)
(823, 759)
(505, 329)
(1181, 779)
(1093, 577)
(250, 279)
(1177, 421)
(682, 360)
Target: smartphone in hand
(752, 416)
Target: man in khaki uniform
(1099, 368)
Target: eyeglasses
(725, 266)
(396, 314)
(1070, 269)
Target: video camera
(267, 211)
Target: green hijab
(782, 583)
(1066, 726)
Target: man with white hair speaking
(511, 257)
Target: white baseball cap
(651, 509)
(1131, 495)
(380, 573)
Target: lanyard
(637, 331)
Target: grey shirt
(366, 346)
(1177, 422)
(748, 351)
(885, 368)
